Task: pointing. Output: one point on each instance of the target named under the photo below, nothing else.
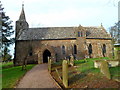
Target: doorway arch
(46, 54)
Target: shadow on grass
(76, 77)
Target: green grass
(88, 67)
(115, 71)
(10, 75)
(117, 48)
(59, 63)
(84, 66)
(6, 65)
(89, 60)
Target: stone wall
(97, 45)
(38, 47)
(55, 48)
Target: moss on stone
(105, 69)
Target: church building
(37, 44)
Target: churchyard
(101, 72)
(83, 74)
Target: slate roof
(97, 32)
(61, 33)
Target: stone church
(37, 44)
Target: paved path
(37, 77)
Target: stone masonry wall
(55, 48)
(97, 45)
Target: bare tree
(115, 31)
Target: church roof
(97, 32)
(61, 33)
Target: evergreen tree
(6, 32)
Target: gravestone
(71, 60)
(117, 52)
(65, 73)
(49, 64)
(104, 68)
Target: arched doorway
(46, 54)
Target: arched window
(90, 49)
(63, 49)
(30, 51)
(75, 49)
(104, 50)
(87, 33)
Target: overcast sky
(45, 13)
(58, 13)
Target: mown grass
(115, 72)
(10, 74)
(7, 65)
(86, 67)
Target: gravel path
(37, 77)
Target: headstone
(104, 68)
(117, 52)
(49, 64)
(65, 73)
(71, 60)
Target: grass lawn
(115, 72)
(6, 65)
(11, 74)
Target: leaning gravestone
(71, 60)
(105, 69)
(65, 73)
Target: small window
(20, 24)
(30, 52)
(63, 49)
(81, 34)
(75, 49)
(78, 34)
(87, 33)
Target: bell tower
(21, 23)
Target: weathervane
(22, 3)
